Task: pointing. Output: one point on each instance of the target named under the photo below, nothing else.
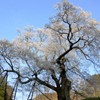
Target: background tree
(92, 88)
(55, 55)
(5, 89)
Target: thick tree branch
(45, 84)
(63, 54)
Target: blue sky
(16, 14)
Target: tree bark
(63, 92)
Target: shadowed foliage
(2, 90)
(93, 98)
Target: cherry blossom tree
(56, 55)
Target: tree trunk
(63, 92)
(62, 96)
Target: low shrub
(92, 98)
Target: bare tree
(55, 55)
